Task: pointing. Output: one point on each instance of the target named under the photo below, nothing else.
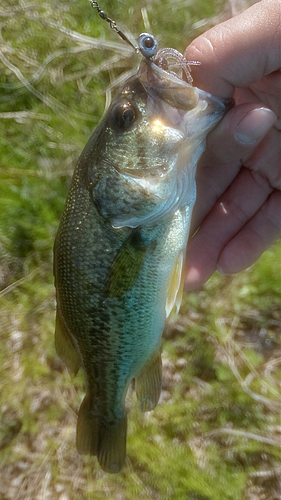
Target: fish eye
(124, 115)
(148, 44)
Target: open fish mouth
(178, 101)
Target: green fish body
(119, 251)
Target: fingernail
(221, 270)
(254, 125)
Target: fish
(119, 252)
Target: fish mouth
(179, 102)
(229, 103)
(175, 91)
(167, 87)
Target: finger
(238, 134)
(231, 143)
(265, 158)
(255, 237)
(239, 51)
(237, 205)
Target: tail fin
(112, 445)
(95, 436)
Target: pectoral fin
(148, 382)
(65, 345)
(175, 288)
(127, 264)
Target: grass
(216, 433)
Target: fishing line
(112, 24)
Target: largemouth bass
(120, 248)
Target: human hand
(238, 208)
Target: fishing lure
(148, 47)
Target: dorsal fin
(65, 344)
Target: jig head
(148, 47)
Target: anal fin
(148, 382)
(65, 345)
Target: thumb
(238, 52)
